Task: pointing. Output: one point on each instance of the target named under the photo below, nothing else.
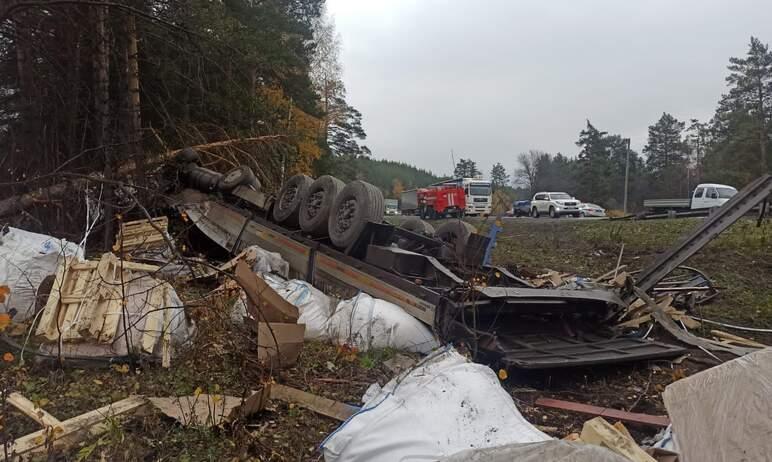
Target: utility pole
(627, 174)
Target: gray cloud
(492, 78)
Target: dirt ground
(221, 358)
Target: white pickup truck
(556, 204)
(705, 196)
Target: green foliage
(741, 126)
(466, 168)
(390, 176)
(499, 175)
(666, 159)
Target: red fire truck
(434, 201)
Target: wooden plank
(166, 346)
(737, 339)
(38, 439)
(326, 407)
(32, 410)
(632, 417)
(51, 310)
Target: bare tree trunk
(134, 113)
(102, 103)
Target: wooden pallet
(141, 234)
(87, 299)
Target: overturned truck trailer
(438, 280)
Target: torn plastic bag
(725, 412)
(552, 451)
(444, 405)
(366, 322)
(25, 260)
(265, 261)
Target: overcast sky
(492, 78)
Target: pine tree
(667, 154)
(466, 168)
(499, 175)
(593, 165)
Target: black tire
(287, 206)
(316, 204)
(358, 203)
(535, 212)
(553, 214)
(241, 175)
(417, 225)
(455, 234)
(583, 215)
(202, 178)
(188, 156)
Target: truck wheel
(316, 204)
(535, 212)
(417, 225)
(241, 175)
(202, 178)
(188, 156)
(553, 214)
(358, 203)
(287, 206)
(455, 234)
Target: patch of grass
(739, 260)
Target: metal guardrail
(739, 205)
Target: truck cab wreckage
(333, 236)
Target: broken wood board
(324, 406)
(736, 339)
(624, 416)
(72, 430)
(264, 303)
(32, 410)
(599, 432)
(204, 410)
(667, 322)
(278, 343)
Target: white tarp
(724, 413)
(366, 322)
(444, 405)
(25, 260)
(546, 451)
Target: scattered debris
(326, 407)
(205, 410)
(667, 322)
(74, 430)
(731, 338)
(633, 417)
(601, 433)
(724, 413)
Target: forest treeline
(89, 86)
